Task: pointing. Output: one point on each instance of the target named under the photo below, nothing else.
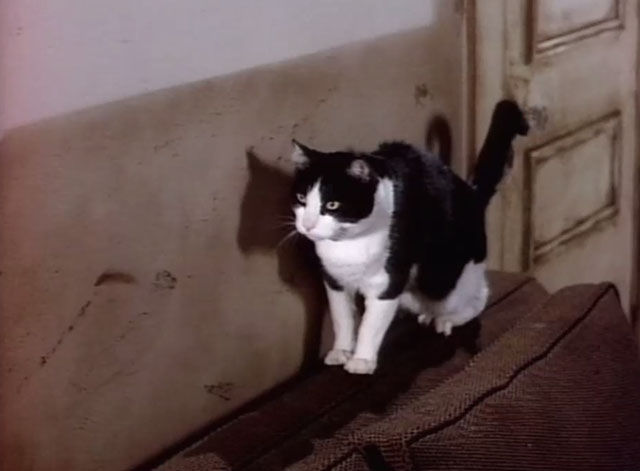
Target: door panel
(558, 23)
(583, 165)
(567, 210)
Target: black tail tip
(507, 114)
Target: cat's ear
(359, 169)
(300, 154)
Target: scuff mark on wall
(92, 378)
(47, 356)
(421, 93)
(221, 390)
(115, 277)
(330, 91)
(165, 144)
(538, 116)
(164, 279)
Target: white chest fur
(358, 264)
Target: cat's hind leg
(467, 300)
(411, 302)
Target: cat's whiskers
(283, 221)
(286, 226)
(286, 221)
(287, 237)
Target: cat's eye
(332, 205)
(302, 198)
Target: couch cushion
(561, 390)
(431, 360)
(313, 415)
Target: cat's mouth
(338, 235)
(317, 237)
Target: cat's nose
(309, 224)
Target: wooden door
(566, 213)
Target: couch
(540, 381)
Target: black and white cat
(399, 227)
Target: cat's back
(400, 153)
(409, 165)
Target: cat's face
(334, 194)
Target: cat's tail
(497, 154)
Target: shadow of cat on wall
(265, 210)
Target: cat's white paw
(425, 319)
(337, 357)
(360, 366)
(443, 325)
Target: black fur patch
(354, 193)
(437, 225)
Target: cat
(402, 229)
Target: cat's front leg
(342, 308)
(377, 318)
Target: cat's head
(336, 195)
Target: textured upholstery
(541, 382)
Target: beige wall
(195, 312)
(70, 54)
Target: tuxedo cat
(399, 227)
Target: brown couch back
(542, 382)
(561, 390)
